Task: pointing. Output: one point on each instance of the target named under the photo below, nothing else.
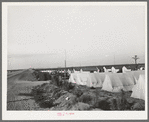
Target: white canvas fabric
(97, 69)
(69, 72)
(141, 68)
(74, 71)
(136, 74)
(118, 81)
(138, 90)
(97, 79)
(80, 79)
(127, 80)
(112, 85)
(74, 78)
(89, 79)
(124, 69)
(71, 79)
(107, 85)
(114, 70)
(105, 70)
(85, 79)
(81, 70)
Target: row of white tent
(113, 70)
(113, 82)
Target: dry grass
(62, 95)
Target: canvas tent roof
(114, 70)
(127, 80)
(124, 69)
(118, 82)
(81, 70)
(89, 79)
(97, 79)
(80, 79)
(136, 74)
(138, 90)
(107, 70)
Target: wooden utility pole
(135, 58)
(65, 59)
(114, 59)
(65, 67)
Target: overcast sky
(91, 35)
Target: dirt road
(18, 92)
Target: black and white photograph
(74, 60)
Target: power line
(65, 58)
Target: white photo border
(78, 115)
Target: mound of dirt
(41, 76)
(28, 76)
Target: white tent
(71, 79)
(74, 78)
(107, 85)
(74, 71)
(118, 81)
(124, 69)
(141, 68)
(69, 72)
(136, 74)
(105, 70)
(89, 79)
(81, 70)
(138, 90)
(97, 69)
(112, 83)
(97, 79)
(80, 79)
(114, 70)
(127, 80)
(85, 79)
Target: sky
(91, 35)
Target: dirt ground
(55, 94)
(18, 92)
